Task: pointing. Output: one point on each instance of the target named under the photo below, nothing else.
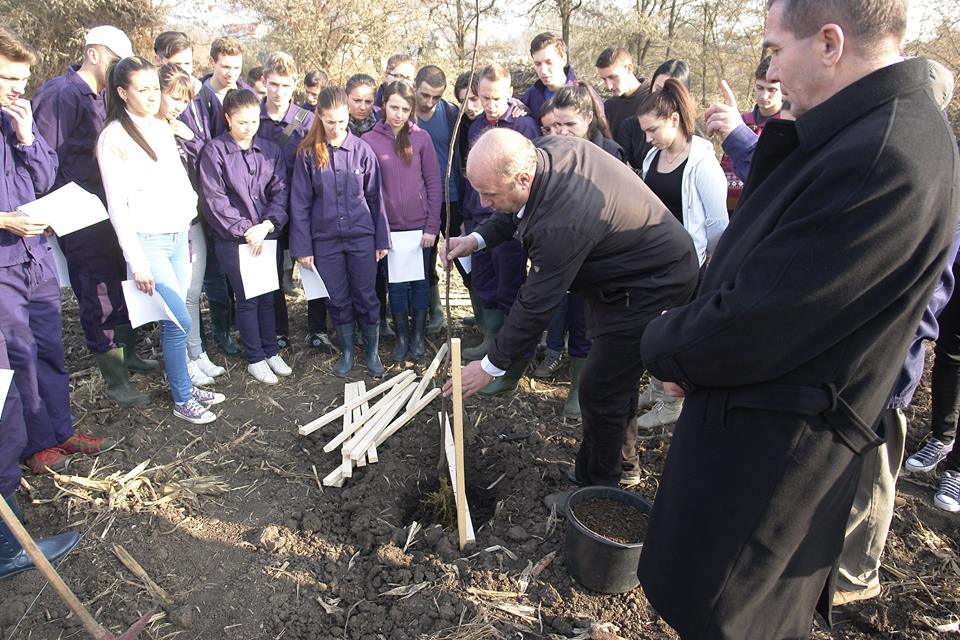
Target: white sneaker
(208, 367)
(197, 376)
(663, 413)
(261, 371)
(278, 366)
(650, 395)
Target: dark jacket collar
(824, 121)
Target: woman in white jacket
(683, 171)
(151, 203)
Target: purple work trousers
(255, 317)
(349, 271)
(30, 318)
(13, 432)
(96, 267)
(498, 274)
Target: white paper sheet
(68, 209)
(63, 274)
(313, 286)
(405, 260)
(143, 307)
(6, 377)
(467, 263)
(259, 274)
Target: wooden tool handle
(46, 569)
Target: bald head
(501, 166)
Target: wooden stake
(468, 536)
(349, 393)
(461, 490)
(428, 376)
(375, 410)
(361, 444)
(357, 412)
(330, 416)
(409, 415)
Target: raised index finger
(728, 98)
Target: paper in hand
(313, 286)
(63, 273)
(259, 273)
(405, 259)
(6, 377)
(68, 209)
(143, 307)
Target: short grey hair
(868, 20)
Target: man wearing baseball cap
(69, 111)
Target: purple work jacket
(70, 116)
(242, 187)
(339, 203)
(271, 130)
(27, 171)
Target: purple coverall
(30, 312)
(70, 116)
(337, 216)
(498, 273)
(241, 188)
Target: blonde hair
(15, 48)
(280, 63)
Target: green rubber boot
(437, 321)
(477, 305)
(490, 322)
(507, 383)
(571, 409)
(126, 336)
(117, 378)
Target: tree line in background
(719, 39)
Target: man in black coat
(590, 226)
(790, 351)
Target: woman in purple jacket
(412, 197)
(337, 223)
(244, 185)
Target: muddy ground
(264, 552)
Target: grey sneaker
(928, 457)
(550, 364)
(650, 395)
(193, 411)
(664, 412)
(207, 398)
(948, 495)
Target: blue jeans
(416, 293)
(169, 259)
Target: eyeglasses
(400, 77)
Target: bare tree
(565, 9)
(456, 20)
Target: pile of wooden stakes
(365, 427)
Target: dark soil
(278, 557)
(613, 520)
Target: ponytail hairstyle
(331, 97)
(673, 98)
(580, 98)
(176, 82)
(402, 146)
(677, 69)
(360, 80)
(120, 75)
(237, 99)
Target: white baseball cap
(111, 38)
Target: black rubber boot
(346, 334)
(126, 336)
(114, 369)
(220, 323)
(416, 343)
(371, 346)
(402, 323)
(14, 560)
(385, 329)
(437, 319)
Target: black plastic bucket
(595, 562)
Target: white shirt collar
(520, 213)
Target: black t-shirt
(619, 108)
(667, 186)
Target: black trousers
(945, 383)
(608, 403)
(456, 221)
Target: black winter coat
(791, 350)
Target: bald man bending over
(589, 226)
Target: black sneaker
(282, 342)
(322, 342)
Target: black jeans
(608, 403)
(945, 384)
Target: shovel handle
(46, 569)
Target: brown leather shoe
(87, 445)
(46, 460)
(841, 598)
